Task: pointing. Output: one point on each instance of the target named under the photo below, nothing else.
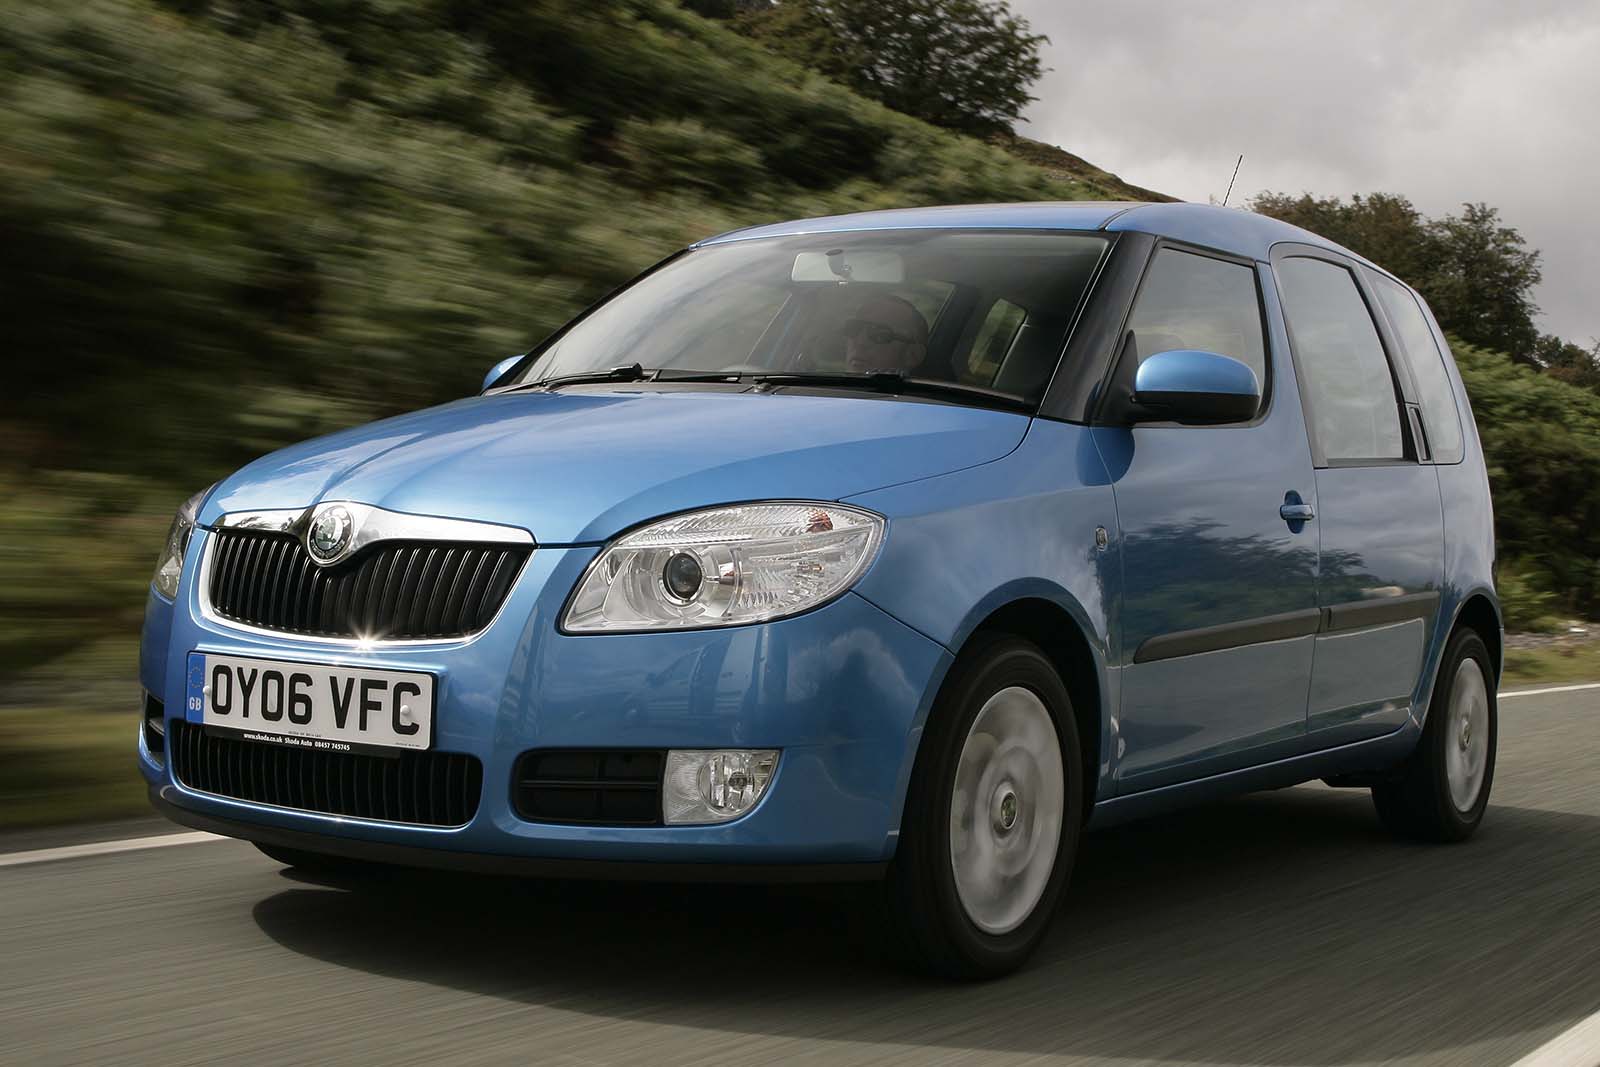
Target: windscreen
(980, 308)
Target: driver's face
(885, 335)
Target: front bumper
(842, 691)
(517, 866)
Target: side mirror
(499, 369)
(1189, 386)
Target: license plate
(310, 705)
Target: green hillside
(1062, 165)
(328, 197)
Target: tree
(962, 64)
(1569, 362)
(1476, 274)
(1383, 227)
(1483, 282)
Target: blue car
(901, 546)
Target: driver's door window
(1194, 301)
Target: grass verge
(68, 766)
(1553, 665)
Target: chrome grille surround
(376, 531)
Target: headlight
(169, 568)
(724, 567)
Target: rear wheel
(992, 816)
(1443, 788)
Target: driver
(887, 333)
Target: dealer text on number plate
(311, 705)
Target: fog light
(714, 785)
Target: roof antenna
(1231, 181)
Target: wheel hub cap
(1006, 810)
(1467, 761)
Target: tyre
(1442, 789)
(992, 815)
(319, 863)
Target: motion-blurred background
(226, 226)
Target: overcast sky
(1443, 102)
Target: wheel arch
(1063, 640)
(1059, 626)
(1480, 612)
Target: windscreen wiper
(628, 372)
(893, 382)
(631, 372)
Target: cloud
(1443, 103)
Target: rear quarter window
(1441, 420)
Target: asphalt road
(1281, 928)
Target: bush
(678, 154)
(1525, 607)
(1541, 439)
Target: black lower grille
(426, 788)
(594, 787)
(155, 728)
(395, 590)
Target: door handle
(1296, 513)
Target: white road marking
(1505, 695)
(1577, 1047)
(105, 848)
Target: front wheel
(1443, 788)
(992, 815)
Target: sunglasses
(874, 332)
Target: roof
(1232, 230)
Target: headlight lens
(725, 567)
(169, 568)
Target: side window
(1353, 410)
(995, 334)
(1441, 421)
(1194, 301)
